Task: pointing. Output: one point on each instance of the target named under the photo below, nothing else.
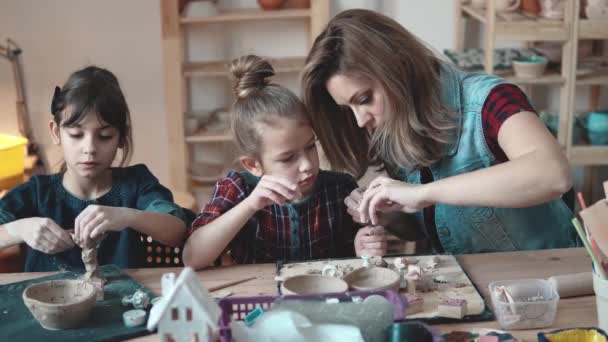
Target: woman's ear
(54, 129)
(252, 165)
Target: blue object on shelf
(597, 126)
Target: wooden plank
(459, 26)
(203, 138)
(552, 78)
(319, 16)
(532, 31)
(247, 14)
(476, 13)
(569, 62)
(592, 80)
(174, 89)
(220, 68)
(593, 29)
(589, 155)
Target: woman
(466, 152)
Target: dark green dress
(44, 196)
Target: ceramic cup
(529, 67)
(597, 127)
(552, 9)
(600, 286)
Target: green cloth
(44, 196)
(18, 324)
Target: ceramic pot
(531, 7)
(313, 283)
(60, 304)
(270, 4)
(373, 278)
(529, 67)
(597, 127)
(552, 9)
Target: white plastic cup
(600, 286)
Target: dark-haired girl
(114, 205)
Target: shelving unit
(515, 26)
(179, 72)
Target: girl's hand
(272, 189)
(95, 220)
(370, 240)
(386, 194)
(43, 234)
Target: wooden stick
(234, 282)
(598, 265)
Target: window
(174, 314)
(188, 314)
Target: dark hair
(259, 101)
(372, 47)
(94, 90)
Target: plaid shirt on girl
(317, 227)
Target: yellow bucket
(12, 160)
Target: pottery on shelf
(312, 284)
(373, 278)
(268, 5)
(529, 67)
(60, 304)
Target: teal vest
(463, 229)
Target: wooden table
(482, 268)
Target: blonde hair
(259, 101)
(417, 128)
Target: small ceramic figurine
(139, 299)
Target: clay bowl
(60, 304)
(312, 284)
(373, 278)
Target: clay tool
(573, 285)
(598, 266)
(589, 236)
(231, 283)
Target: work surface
(481, 268)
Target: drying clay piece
(415, 304)
(329, 270)
(310, 284)
(134, 318)
(413, 276)
(365, 259)
(378, 261)
(433, 263)
(139, 299)
(452, 308)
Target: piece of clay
(134, 318)
(378, 261)
(413, 276)
(91, 264)
(365, 259)
(329, 270)
(452, 308)
(415, 304)
(139, 299)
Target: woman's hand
(370, 240)
(42, 234)
(95, 220)
(270, 190)
(385, 194)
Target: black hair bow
(55, 101)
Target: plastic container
(600, 287)
(534, 303)
(237, 308)
(12, 160)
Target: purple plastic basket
(236, 308)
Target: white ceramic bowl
(312, 284)
(529, 67)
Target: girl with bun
(282, 207)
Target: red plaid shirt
(317, 227)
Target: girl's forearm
(7, 237)
(208, 242)
(529, 180)
(163, 228)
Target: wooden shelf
(220, 68)
(589, 155)
(525, 29)
(205, 180)
(592, 80)
(247, 14)
(593, 29)
(208, 137)
(550, 78)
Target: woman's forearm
(209, 241)
(528, 180)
